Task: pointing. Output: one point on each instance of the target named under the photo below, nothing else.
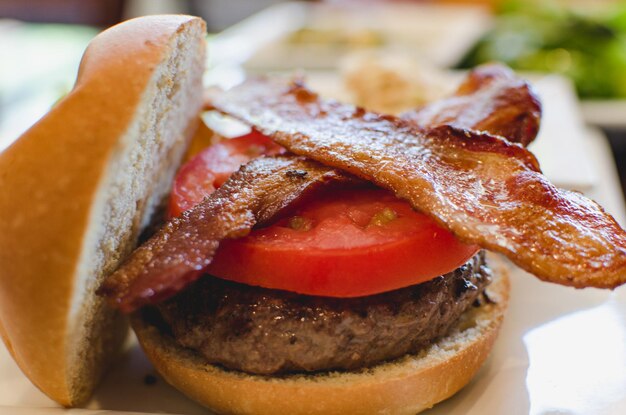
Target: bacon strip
(491, 99)
(176, 255)
(485, 190)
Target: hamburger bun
(79, 186)
(405, 386)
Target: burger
(330, 261)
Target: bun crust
(404, 386)
(60, 230)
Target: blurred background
(402, 52)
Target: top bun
(78, 188)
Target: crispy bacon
(176, 255)
(491, 99)
(483, 189)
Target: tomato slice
(210, 168)
(346, 243)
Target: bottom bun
(404, 386)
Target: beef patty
(265, 331)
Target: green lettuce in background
(589, 46)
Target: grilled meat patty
(263, 331)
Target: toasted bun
(78, 187)
(404, 386)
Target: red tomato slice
(346, 243)
(210, 168)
